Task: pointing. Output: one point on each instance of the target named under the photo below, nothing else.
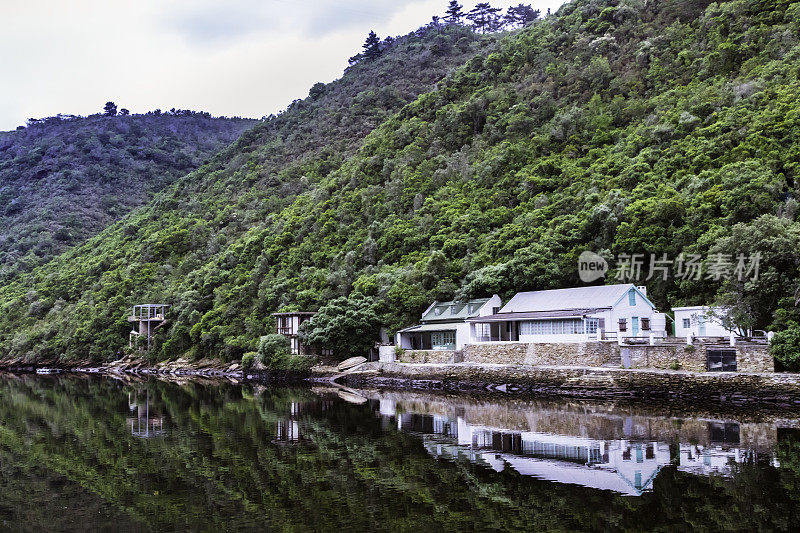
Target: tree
(785, 347)
(372, 46)
(454, 13)
(124, 112)
(348, 326)
(521, 15)
(110, 109)
(755, 297)
(485, 18)
(273, 349)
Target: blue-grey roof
(596, 297)
(453, 311)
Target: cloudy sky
(228, 57)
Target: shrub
(785, 347)
(675, 365)
(248, 359)
(273, 349)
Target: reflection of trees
(217, 468)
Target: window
(495, 310)
(592, 325)
(632, 297)
(645, 324)
(623, 324)
(443, 340)
(687, 323)
(437, 311)
(483, 331)
(569, 326)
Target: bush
(273, 349)
(785, 347)
(675, 365)
(248, 359)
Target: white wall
(696, 315)
(623, 309)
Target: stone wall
(750, 357)
(427, 356)
(542, 354)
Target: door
(701, 326)
(635, 326)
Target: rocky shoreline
(773, 390)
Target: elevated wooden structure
(149, 317)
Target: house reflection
(625, 465)
(288, 429)
(145, 421)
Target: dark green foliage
(372, 46)
(620, 127)
(110, 109)
(348, 326)
(63, 179)
(454, 13)
(272, 349)
(249, 359)
(786, 348)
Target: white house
(699, 321)
(443, 325)
(288, 325)
(571, 315)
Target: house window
(592, 325)
(632, 297)
(443, 340)
(437, 311)
(623, 324)
(687, 323)
(495, 310)
(645, 324)
(570, 326)
(483, 331)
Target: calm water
(95, 453)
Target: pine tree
(372, 46)
(521, 15)
(485, 18)
(110, 109)
(454, 13)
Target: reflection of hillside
(597, 446)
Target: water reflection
(595, 446)
(221, 456)
(145, 423)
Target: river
(96, 453)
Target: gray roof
(597, 297)
(537, 315)
(453, 311)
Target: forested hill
(623, 127)
(65, 178)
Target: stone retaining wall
(750, 357)
(427, 356)
(537, 354)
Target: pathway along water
(79, 451)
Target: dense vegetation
(620, 126)
(65, 178)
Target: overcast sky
(228, 57)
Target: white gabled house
(443, 325)
(571, 315)
(700, 321)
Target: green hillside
(623, 127)
(63, 179)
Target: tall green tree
(348, 326)
(485, 18)
(110, 109)
(454, 13)
(372, 46)
(521, 15)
